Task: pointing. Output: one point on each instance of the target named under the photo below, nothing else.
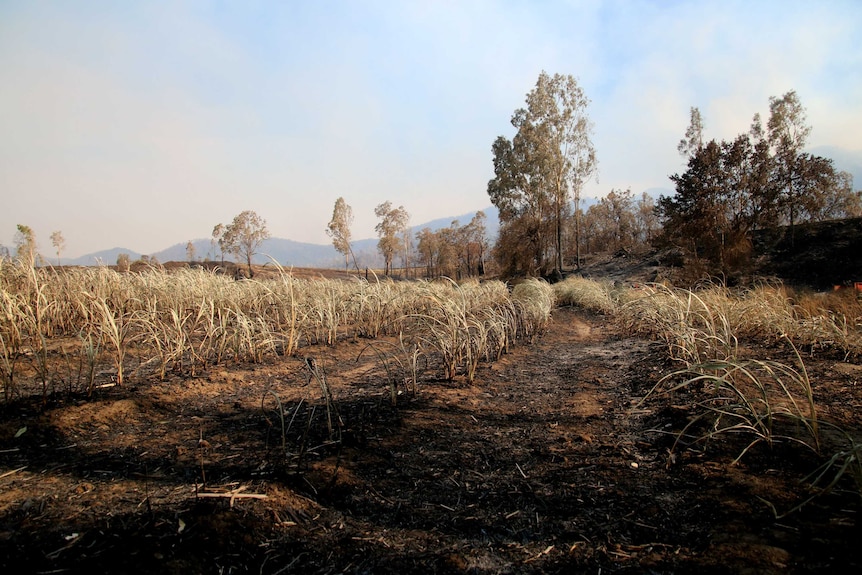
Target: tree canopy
(456, 251)
(243, 236)
(393, 231)
(25, 245)
(58, 242)
(339, 230)
(761, 179)
(549, 159)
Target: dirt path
(544, 465)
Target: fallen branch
(235, 495)
(232, 495)
(547, 550)
(14, 471)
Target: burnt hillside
(818, 255)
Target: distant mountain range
(286, 252)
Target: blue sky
(143, 124)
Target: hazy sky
(144, 124)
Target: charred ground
(547, 463)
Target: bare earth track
(546, 464)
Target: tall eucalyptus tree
(548, 161)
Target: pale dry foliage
(534, 301)
(588, 294)
(764, 401)
(187, 320)
(767, 401)
(467, 323)
(706, 324)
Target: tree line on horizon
(759, 181)
(454, 251)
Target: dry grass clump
(706, 324)
(764, 311)
(187, 320)
(587, 294)
(830, 321)
(534, 301)
(465, 323)
(763, 401)
(377, 308)
(766, 401)
(696, 326)
(812, 321)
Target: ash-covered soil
(547, 463)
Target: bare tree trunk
(578, 231)
(353, 256)
(559, 246)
